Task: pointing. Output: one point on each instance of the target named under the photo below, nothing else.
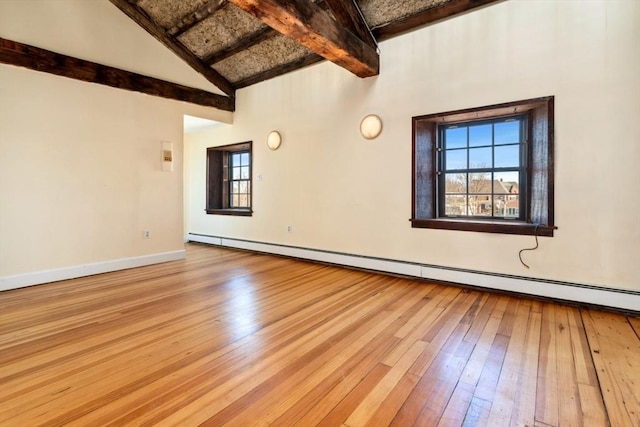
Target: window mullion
(523, 202)
(440, 172)
(468, 178)
(493, 165)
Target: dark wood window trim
(218, 202)
(539, 184)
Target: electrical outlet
(288, 229)
(146, 234)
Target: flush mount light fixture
(274, 140)
(371, 126)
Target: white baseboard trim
(575, 292)
(54, 275)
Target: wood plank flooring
(241, 339)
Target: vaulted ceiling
(237, 43)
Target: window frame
(218, 191)
(442, 171)
(538, 215)
(239, 180)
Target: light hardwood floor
(235, 338)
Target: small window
(229, 182)
(485, 169)
(240, 179)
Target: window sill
(233, 212)
(489, 226)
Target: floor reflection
(241, 309)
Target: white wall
(80, 169)
(343, 193)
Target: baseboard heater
(622, 299)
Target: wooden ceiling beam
(348, 13)
(309, 25)
(247, 41)
(141, 18)
(200, 14)
(34, 58)
(428, 16)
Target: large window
(481, 168)
(229, 179)
(485, 169)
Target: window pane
(480, 158)
(480, 205)
(480, 183)
(455, 205)
(456, 159)
(234, 201)
(480, 135)
(243, 186)
(235, 173)
(456, 183)
(235, 159)
(507, 156)
(244, 158)
(508, 182)
(243, 201)
(456, 137)
(507, 132)
(245, 172)
(511, 207)
(234, 187)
